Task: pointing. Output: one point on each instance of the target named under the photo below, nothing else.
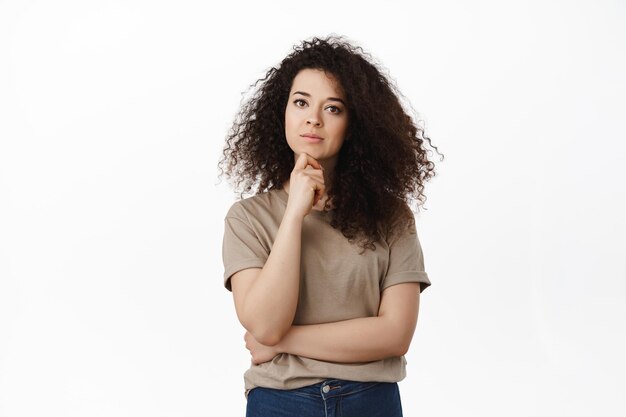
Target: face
(316, 107)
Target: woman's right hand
(306, 185)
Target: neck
(328, 173)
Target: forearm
(357, 340)
(279, 280)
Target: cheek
(291, 128)
(290, 122)
(340, 127)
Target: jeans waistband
(333, 388)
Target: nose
(313, 119)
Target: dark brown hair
(382, 164)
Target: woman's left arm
(362, 339)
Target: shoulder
(255, 206)
(401, 223)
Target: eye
(299, 101)
(335, 109)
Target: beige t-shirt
(336, 283)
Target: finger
(316, 174)
(304, 160)
(301, 161)
(317, 184)
(318, 193)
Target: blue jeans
(330, 398)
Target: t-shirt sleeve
(406, 260)
(241, 247)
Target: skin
(362, 339)
(315, 106)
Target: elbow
(402, 348)
(268, 339)
(266, 336)
(268, 331)
(403, 337)
(403, 342)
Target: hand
(260, 353)
(306, 185)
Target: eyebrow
(329, 98)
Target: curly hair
(382, 164)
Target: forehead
(317, 82)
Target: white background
(113, 115)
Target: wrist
(293, 217)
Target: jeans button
(326, 389)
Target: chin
(318, 156)
(305, 149)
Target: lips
(312, 136)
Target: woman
(323, 261)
